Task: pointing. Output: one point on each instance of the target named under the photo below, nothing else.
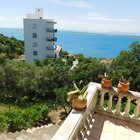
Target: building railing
(52, 39)
(52, 30)
(77, 123)
(50, 48)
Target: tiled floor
(107, 128)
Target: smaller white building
(39, 36)
(58, 50)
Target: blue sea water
(88, 44)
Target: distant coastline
(100, 33)
(114, 34)
(135, 36)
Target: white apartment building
(39, 36)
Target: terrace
(100, 122)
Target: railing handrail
(51, 30)
(52, 39)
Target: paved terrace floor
(108, 128)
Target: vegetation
(86, 71)
(27, 85)
(22, 119)
(122, 79)
(108, 76)
(127, 64)
(10, 47)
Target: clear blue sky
(77, 15)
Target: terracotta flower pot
(123, 87)
(106, 83)
(79, 104)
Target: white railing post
(111, 94)
(127, 108)
(137, 110)
(82, 135)
(101, 104)
(118, 106)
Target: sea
(89, 44)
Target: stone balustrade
(77, 123)
(117, 97)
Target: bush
(23, 118)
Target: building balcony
(52, 30)
(52, 39)
(50, 48)
(50, 56)
(103, 118)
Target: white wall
(42, 35)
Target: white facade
(39, 36)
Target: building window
(34, 35)
(34, 44)
(34, 26)
(34, 52)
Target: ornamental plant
(108, 76)
(77, 93)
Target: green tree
(127, 64)
(61, 97)
(87, 70)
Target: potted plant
(106, 80)
(78, 97)
(123, 85)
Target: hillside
(10, 47)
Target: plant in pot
(124, 85)
(106, 79)
(78, 97)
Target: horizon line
(74, 31)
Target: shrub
(23, 118)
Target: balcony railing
(50, 56)
(50, 48)
(52, 39)
(52, 30)
(77, 123)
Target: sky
(97, 16)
